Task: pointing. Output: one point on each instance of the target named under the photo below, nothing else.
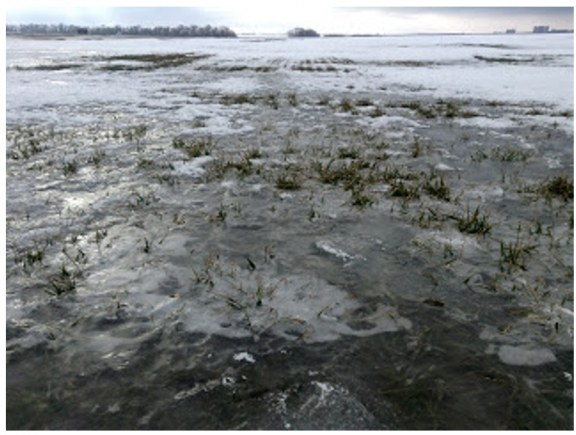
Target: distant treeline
(68, 29)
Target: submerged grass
(505, 154)
(513, 255)
(438, 189)
(288, 182)
(509, 155)
(51, 67)
(26, 150)
(510, 60)
(439, 109)
(70, 168)
(349, 175)
(62, 283)
(348, 106)
(360, 198)
(348, 153)
(399, 189)
(150, 62)
(96, 158)
(475, 223)
(237, 99)
(194, 147)
(560, 187)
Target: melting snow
(228, 381)
(443, 167)
(325, 389)
(244, 356)
(193, 168)
(525, 355)
(327, 247)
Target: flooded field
(270, 233)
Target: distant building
(562, 31)
(541, 29)
(510, 31)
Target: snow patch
(244, 356)
(482, 193)
(327, 247)
(553, 162)
(443, 167)
(113, 409)
(192, 168)
(228, 381)
(525, 355)
(325, 389)
(441, 239)
(488, 123)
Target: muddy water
(151, 288)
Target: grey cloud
(480, 12)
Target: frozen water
(187, 292)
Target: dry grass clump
(288, 182)
(194, 147)
(560, 187)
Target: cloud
(145, 16)
(470, 11)
(494, 13)
(467, 19)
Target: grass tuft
(347, 106)
(560, 187)
(474, 223)
(438, 189)
(27, 150)
(292, 99)
(237, 99)
(149, 62)
(288, 182)
(401, 190)
(70, 168)
(514, 255)
(360, 198)
(62, 283)
(348, 153)
(96, 158)
(376, 113)
(194, 147)
(509, 155)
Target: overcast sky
(267, 17)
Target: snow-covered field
(345, 233)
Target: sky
(271, 17)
